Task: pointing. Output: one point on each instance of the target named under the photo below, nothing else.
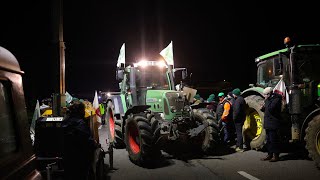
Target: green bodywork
(155, 100)
(252, 90)
(159, 103)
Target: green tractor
(296, 66)
(150, 114)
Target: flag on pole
(122, 57)
(36, 115)
(68, 97)
(167, 54)
(96, 107)
(281, 89)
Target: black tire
(209, 138)
(119, 135)
(139, 140)
(255, 134)
(312, 139)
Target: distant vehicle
(297, 67)
(17, 159)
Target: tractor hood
(154, 98)
(166, 102)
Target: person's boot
(267, 158)
(275, 158)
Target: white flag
(96, 107)
(281, 89)
(68, 97)
(122, 57)
(167, 54)
(36, 115)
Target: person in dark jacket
(78, 143)
(239, 116)
(272, 116)
(230, 97)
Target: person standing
(78, 143)
(272, 116)
(230, 97)
(223, 113)
(233, 128)
(239, 116)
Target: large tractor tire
(312, 139)
(139, 140)
(115, 127)
(209, 137)
(253, 130)
(110, 121)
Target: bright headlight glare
(161, 64)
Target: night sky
(216, 41)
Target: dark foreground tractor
(17, 158)
(297, 66)
(49, 150)
(151, 115)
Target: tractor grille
(176, 100)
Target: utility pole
(62, 59)
(59, 100)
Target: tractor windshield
(152, 77)
(269, 73)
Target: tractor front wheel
(253, 130)
(139, 140)
(209, 137)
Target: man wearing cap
(272, 116)
(213, 104)
(239, 116)
(223, 113)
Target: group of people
(231, 116)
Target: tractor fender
(306, 122)
(136, 109)
(252, 91)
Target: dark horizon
(215, 42)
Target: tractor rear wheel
(312, 139)
(209, 137)
(115, 127)
(253, 130)
(110, 121)
(139, 140)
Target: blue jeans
(226, 131)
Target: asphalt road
(226, 164)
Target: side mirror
(120, 74)
(184, 74)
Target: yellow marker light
(286, 40)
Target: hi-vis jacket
(224, 110)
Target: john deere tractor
(150, 114)
(297, 67)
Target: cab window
(8, 142)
